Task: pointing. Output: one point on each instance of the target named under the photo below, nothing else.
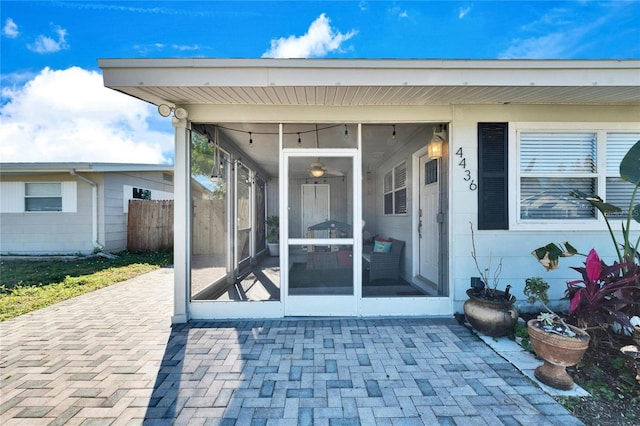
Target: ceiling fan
(318, 169)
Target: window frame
(27, 197)
(395, 190)
(600, 130)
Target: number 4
(459, 152)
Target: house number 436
(467, 173)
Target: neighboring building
(69, 208)
(410, 150)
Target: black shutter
(493, 194)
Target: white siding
(69, 197)
(11, 197)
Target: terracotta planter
(493, 318)
(558, 352)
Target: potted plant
(489, 310)
(559, 344)
(273, 235)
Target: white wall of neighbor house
(514, 246)
(65, 232)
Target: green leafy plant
(535, 288)
(273, 229)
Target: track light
(166, 110)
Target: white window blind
(43, 197)
(395, 190)
(618, 191)
(551, 166)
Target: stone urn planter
(558, 352)
(492, 316)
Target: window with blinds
(618, 191)
(551, 166)
(395, 190)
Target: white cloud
(399, 12)
(543, 47)
(44, 44)
(319, 40)
(68, 115)
(463, 11)
(10, 29)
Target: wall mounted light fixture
(434, 148)
(166, 110)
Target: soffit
(383, 95)
(373, 82)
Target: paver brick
(112, 357)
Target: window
(395, 190)
(618, 191)
(43, 197)
(552, 164)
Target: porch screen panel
(493, 203)
(244, 212)
(618, 191)
(209, 176)
(260, 212)
(551, 166)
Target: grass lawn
(27, 285)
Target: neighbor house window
(395, 190)
(43, 197)
(553, 164)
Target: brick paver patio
(112, 357)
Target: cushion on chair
(382, 247)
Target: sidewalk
(112, 357)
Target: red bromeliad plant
(605, 294)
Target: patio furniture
(383, 265)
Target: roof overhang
(57, 167)
(331, 82)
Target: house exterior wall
(514, 245)
(66, 232)
(113, 202)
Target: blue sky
(53, 103)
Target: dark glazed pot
(493, 318)
(558, 352)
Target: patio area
(112, 357)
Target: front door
(429, 228)
(321, 266)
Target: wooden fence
(150, 225)
(208, 227)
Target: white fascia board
(81, 167)
(301, 72)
